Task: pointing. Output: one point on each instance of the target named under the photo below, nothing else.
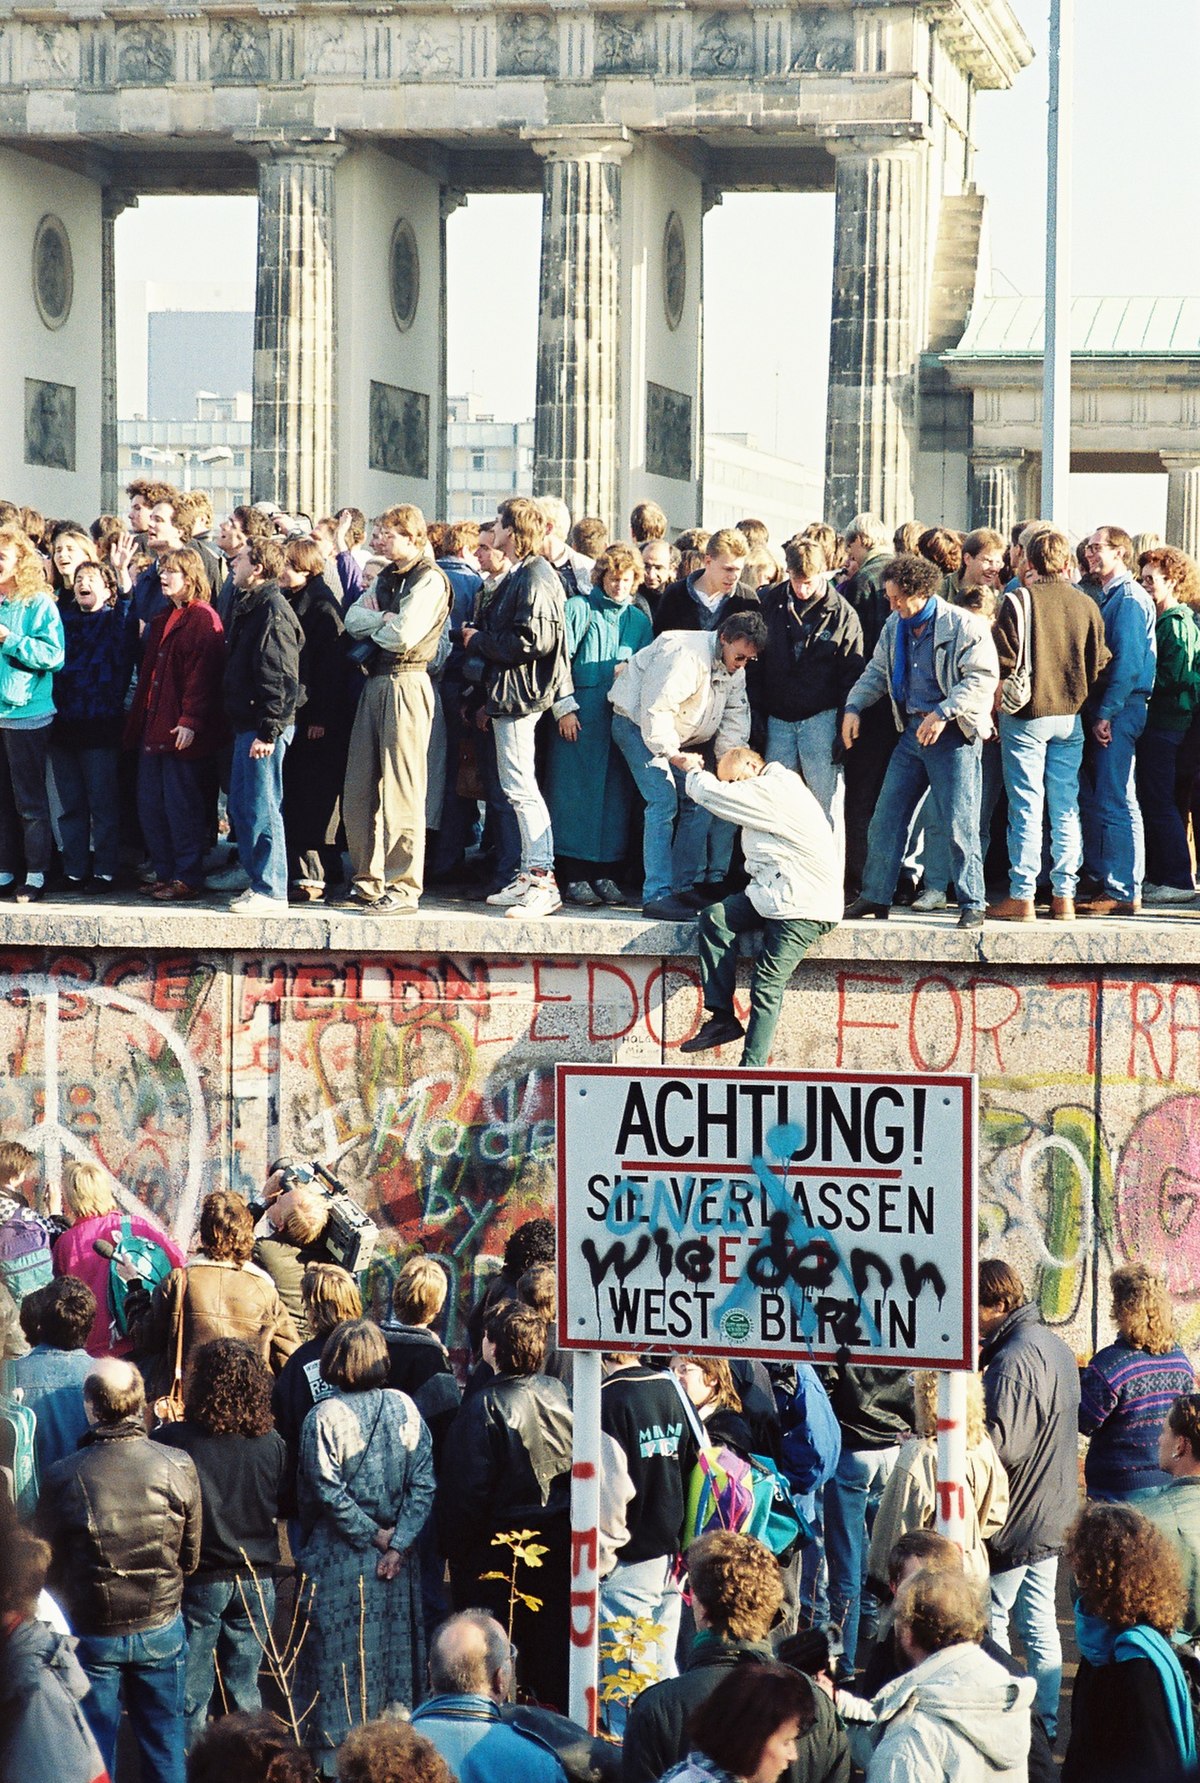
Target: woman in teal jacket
(1169, 577)
(31, 649)
(590, 789)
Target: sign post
(828, 1217)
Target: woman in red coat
(175, 722)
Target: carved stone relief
(145, 55)
(239, 52)
(50, 424)
(624, 43)
(53, 271)
(528, 44)
(404, 274)
(822, 42)
(674, 269)
(724, 44)
(668, 433)
(399, 431)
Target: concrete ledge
(443, 926)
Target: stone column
(998, 487)
(112, 203)
(292, 433)
(879, 277)
(450, 199)
(1183, 500)
(575, 424)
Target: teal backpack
(134, 1260)
(18, 1453)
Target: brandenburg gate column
(112, 202)
(998, 477)
(575, 425)
(292, 440)
(1183, 500)
(879, 300)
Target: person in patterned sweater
(1128, 1388)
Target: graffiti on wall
(426, 1085)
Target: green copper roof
(1101, 328)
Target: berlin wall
(425, 1080)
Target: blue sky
(768, 258)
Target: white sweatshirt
(787, 840)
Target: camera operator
(292, 1217)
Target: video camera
(351, 1235)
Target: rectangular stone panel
(527, 44)
(668, 433)
(624, 43)
(399, 431)
(723, 43)
(50, 424)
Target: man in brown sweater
(1042, 744)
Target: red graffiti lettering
(874, 980)
(583, 1634)
(922, 987)
(604, 1002)
(981, 1029)
(542, 996)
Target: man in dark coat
(736, 1595)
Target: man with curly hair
(736, 1595)
(390, 1751)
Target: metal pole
(585, 1539)
(952, 1457)
(1056, 368)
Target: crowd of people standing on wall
(286, 1534)
(529, 712)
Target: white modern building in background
(741, 481)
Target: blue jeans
(1027, 1594)
(1041, 768)
(851, 1499)
(151, 1668)
(808, 745)
(227, 1620)
(505, 831)
(85, 781)
(672, 853)
(934, 850)
(171, 810)
(515, 765)
(646, 1591)
(1114, 843)
(256, 812)
(1167, 858)
(952, 771)
(814, 1572)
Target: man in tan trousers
(403, 615)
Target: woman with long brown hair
(31, 651)
(176, 723)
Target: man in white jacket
(794, 895)
(684, 690)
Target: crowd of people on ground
(527, 711)
(287, 1535)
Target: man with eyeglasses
(471, 1671)
(1114, 848)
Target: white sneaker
(541, 897)
(1167, 894)
(513, 891)
(234, 879)
(930, 900)
(253, 903)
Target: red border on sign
(968, 1091)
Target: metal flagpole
(1056, 367)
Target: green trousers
(785, 941)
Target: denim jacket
(29, 656)
(964, 661)
(1129, 621)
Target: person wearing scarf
(1131, 1714)
(937, 665)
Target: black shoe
(971, 919)
(718, 1030)
(696, 897)
(862, 908)
(670, 909)
(100, 888)
(30, 894)
(386, 902)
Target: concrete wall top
(1162, 940)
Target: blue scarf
(904, 629)
(1102, 1644)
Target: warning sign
(767, 1214)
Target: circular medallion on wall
(404, 274)
(674, 269)
(53, 273)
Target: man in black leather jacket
(506, 1466)
(123, 1519)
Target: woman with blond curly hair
(91, 1206)
(1128, 1388)
(910, 1497)
(1131, 1713)
(31, 650)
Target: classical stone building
(361, 126)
